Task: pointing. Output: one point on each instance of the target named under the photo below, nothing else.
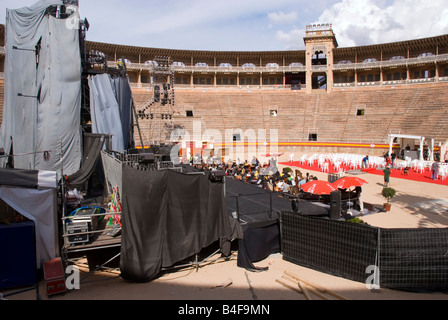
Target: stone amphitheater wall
(351, 119)
(334, 117)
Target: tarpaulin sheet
(28, 178)
(123, 94)
(92, 149)
(110, 109)
(253, 203)
(19, 178)
(340, 248)
(405, 259)
(414, 259)
(42, 90)
(36, 200)
(260, 239)
(256, 204)
(167, 217)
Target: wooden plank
(318, 288)
(305, 291)
(286, 285)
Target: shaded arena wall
(335, 117)
(2, 99)
(354, 120)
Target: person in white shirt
(286, 187)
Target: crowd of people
(266, 175)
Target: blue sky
(254, 25)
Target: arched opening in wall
(319, 58)
(319, 81)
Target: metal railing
(90, 230)
(283, 69)
(205, 87)
(213, 69)
(389, 82)
(391, 63)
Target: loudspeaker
(295, 205)
(335, 205)
(217, 176)
(147, 158)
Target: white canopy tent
(419, 138)
(33, 194)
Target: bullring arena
(304, 108)
(321, 100)
(326, 98)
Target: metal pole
(237, 208)
(99, 267)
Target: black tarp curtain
(169, 216)
(93, 144)
(407, 259)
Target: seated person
(406, 170)
(286, 186)
(279, 185)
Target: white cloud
(362, 22)
(255, 24)
(281, 17)
(292, 40)
(199, 24)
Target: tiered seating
(419, 109)
(141, 97)
(416, 109)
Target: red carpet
(395, 173)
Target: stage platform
(256, 204)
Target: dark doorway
(296, 80)
(319, 81)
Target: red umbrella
(348, 182)
(318, 187)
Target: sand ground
(416, 205)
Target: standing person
(358, 191)
(446, 157)
(386, 176)
(393, 157)
(434, 170)
(254, 161)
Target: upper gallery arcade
(321, 66)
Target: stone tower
(319, 44)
